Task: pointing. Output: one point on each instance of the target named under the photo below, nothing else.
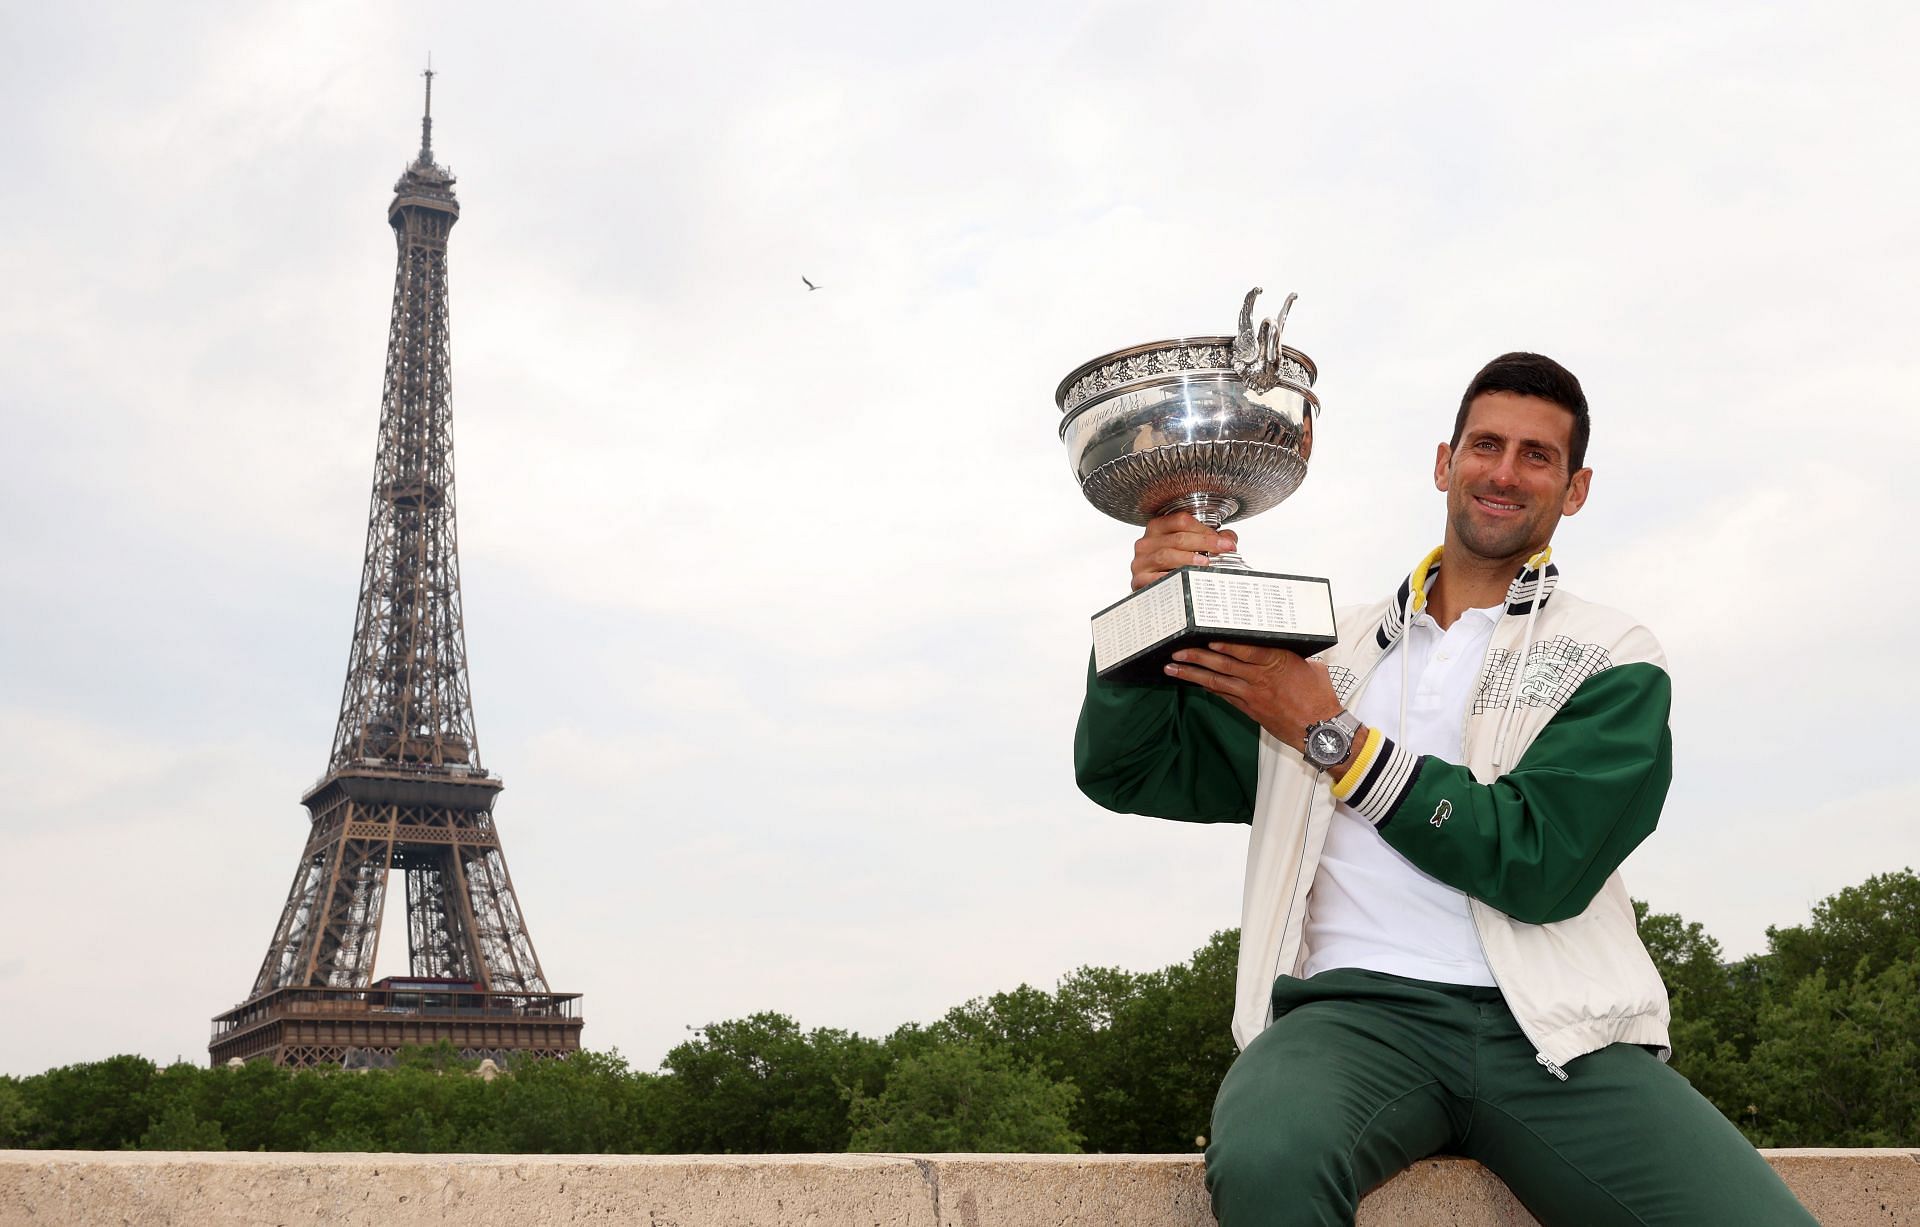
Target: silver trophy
(1218, 426)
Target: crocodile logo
(1441, 812)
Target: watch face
(1327, 746)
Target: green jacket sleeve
(1169, 751)
(1539, 842)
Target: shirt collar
(1486, 613)
(1532, 587)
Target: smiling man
(1437, 954)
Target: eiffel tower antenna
(405, 792)
(426, 118)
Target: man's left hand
(1282, 691)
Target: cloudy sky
(776, 601)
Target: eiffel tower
(404, 791)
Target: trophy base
(1135, 637)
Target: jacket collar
(1532, 587)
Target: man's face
(1507, 483)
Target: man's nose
(1507, 471)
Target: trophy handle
(1270, 341)
(1214, 511)
(1256, 354)
(1248, 345)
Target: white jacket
(1574, 985)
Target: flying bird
(809, 284)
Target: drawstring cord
(1406, 633)
(1507, 729)
(1538, 565)
(1416, 602)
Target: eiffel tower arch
(405, 796)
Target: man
(1436, 952)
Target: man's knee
(1271, 1164)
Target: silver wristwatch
(1328, 741)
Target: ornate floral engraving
(1174, 360)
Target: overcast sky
(776, 601)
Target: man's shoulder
(1352, 619)
(1355, 624)
(1625, 638)
(1358, 646)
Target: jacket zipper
(1293, 887)
(1539, 1057)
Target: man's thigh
(1624, 1140)
(1337, 1095)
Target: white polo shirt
(1369, 906)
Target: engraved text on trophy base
(1134, 636)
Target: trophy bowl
(1173, 425)
(1222, 427)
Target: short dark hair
(1532, 375)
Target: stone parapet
(149, 1189)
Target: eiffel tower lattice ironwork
(405, 792)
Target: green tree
(586, 1103)
(1170, 1045)
(176, 1109)
(178, 1128)
(1876, 923)
(761, 1085)
(98, 1105)
(1838, 1061)
(433, 1111)
(1147, 1051)
(1816, 1042)
(16, 1117)
(356, 1111)
(1714, 1007)
(1029, 1021)
(966, 1097)
(261, 1107)
(1813, 1042)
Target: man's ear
(1441, 456)
(1577, 487)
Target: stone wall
(147, 1189)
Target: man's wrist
(1339, 770)
(1348, 773)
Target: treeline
(1814, 1043)
(1817, 1041)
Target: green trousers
(1361, 1074)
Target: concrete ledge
(149, 1189)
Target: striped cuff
(1362, 762)
(1380, 778)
